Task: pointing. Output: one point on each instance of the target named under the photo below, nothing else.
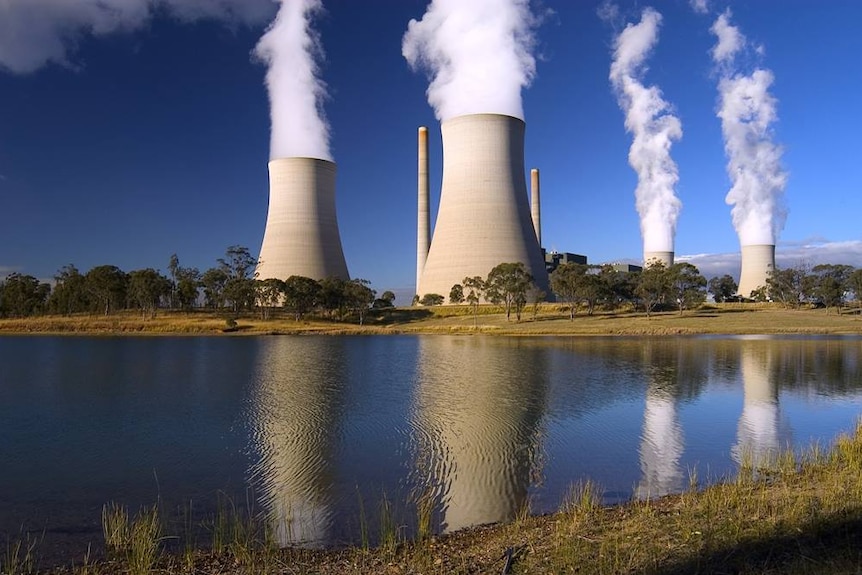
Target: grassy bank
(550, 319)
(793, 515)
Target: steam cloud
(478, 54)
(654, 129)
(291, 48)
(35, 32)
(747, 110)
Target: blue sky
(154, 139)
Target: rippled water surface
(318, 433)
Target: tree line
(657, 287)
(231, 285)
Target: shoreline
(551, 320)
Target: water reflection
(758, 437)
(672, 373)
(297, 403)
(479, 403)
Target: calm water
(314, 432)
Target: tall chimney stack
(423, 222)
(535, 204)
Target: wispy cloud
(699, 6)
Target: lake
(318, 434)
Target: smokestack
(301, 236)
(535, 204)
(665, 258)
(483, 219)
(757, 262)
(423, 222)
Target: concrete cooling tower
(301, 236)
(666, 258)
(484, 216)
(757, 262)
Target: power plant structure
(758, 261)
(484, 218)
(301, 236)
(664, 258)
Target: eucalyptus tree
(146, 288)
(687, 285)
(654, 286)
(359, 296)
(508, 284)
(301, 295)
(23, 295)
(106, 286)
(456, 294)
(831, 283)
(70, 292)
(269, 294)
(721, 288)
(475, 289)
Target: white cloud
(699, 6)
(36, 32)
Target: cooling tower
(758, 433)
(757, 262)
(536, 204)
(665, 258)
(423, 222)
(484, 218)
(301, 236)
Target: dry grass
(552, 319)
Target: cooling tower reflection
(296, 409)
(758, 436)
(479, 403)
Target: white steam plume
(291, 48)
(649, 120)
(747, 110)
(478, 54)
(35, 32)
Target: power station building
(484, 218)
(301, 236)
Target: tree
(213, 281)
(854, 284)
(333, 296)
(475, 287)
(188, 282)
(106, 286)
(22, 296)
(359, 297)
(565, 283)
(722, 288)
(787, 286)
(239, 288)
(430, 299)
(687, 285)
(385, 301)
(70, 292)
(146, 288)
(653, 286)
(619, 285)
(831, 283)
(456, 294)
(301, 294)
(174, 269)
(268, 294)
(508, 284)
